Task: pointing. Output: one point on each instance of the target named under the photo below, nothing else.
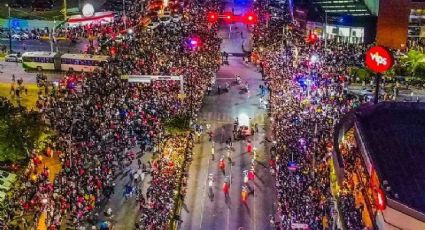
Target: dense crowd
(158, 206)
(100, 118)
(307, 96)
(355, 182)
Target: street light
(123, 13)
(10, 30)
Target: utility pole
(65, 10)
(123, 14)
(326, 25)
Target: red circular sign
(379, 59)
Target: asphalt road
(7, 69)
(205, 211)
(211, 209)
(41, 45)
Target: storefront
(338, 33)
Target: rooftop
(85, 57)
(39, 54)
(394, 135)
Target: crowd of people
(308, 95)
(99, 118)
(171, 165)
(355, 192)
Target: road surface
(211, 209)
(64, 46)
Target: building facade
(400, 21)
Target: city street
(206, 208)
(202, 211)
(63, 46)
(212, 115)
(7, 69)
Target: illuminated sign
(379, 59)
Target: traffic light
(228, 17)
(250, 18)
(212, 17)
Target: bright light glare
(243, 119)
(314, 59)
(130, 31)
(193, 42)
(88, 10)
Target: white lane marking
(205, 187)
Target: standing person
(249, 147)
(209, 90)
(222, 165)
(212, 151)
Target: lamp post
(326, 25)
(65, 9)
(123, 14)
(10, 29)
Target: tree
(413, 60)
(20, 131)
(419, 71)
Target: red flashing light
(228, 17)
(250, 18)
(212, 17)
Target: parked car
(24, 36)
(16, 36)
(10, 177)
(13, 58)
